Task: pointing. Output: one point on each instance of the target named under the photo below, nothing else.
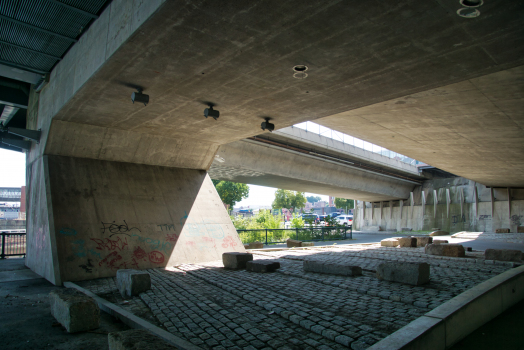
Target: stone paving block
(74, 310)
(293, 243)
(235, 260)
(255, 245)
(440, 241)
(137, 339)
(410, 273)
(503, 255)
(262, 266)
(330, 268)
(439, 233)
(132, 282)
(389, 242)
(407, 242)
(454, 250)
(502, 230)
(422, 241)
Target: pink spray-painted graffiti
(229, 242)
(110, 244)
(156, 257)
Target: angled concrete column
(89, 218)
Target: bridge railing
(13, 244)
(306, 234)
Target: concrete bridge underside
(105, 164)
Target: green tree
(231, 192)
(344, 203)
(313, 199)
(288, 199)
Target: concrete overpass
(102, 159)
(292, 158)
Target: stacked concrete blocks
(262, 265)
(291, 243)
(422, 241)
(503, 255)
(409, 273)
(136, 339)
(332, 269)
(453, 250)
(502, 230)
(307, 244)
(235, 260)
(74, 310)
(407, 242)
(389, 242)
(132, 282)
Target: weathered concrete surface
(502, 230)
(262, 265)
(136, 339)
(74, 310)
(422, 241)
(410, 273)
(235, 260)
(503, 254)
(132, 282)
(440, 241)
(254, 245)
(307, 244)
(407, 242)
(389, 242)
(104, 216)
(332, 269)
(293, 243)
(455, 250)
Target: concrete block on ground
(502, 230)
(132, 282)
(404, 272)
(406, 229)
(389, 242)
(407, 242)
(439, 241)
(454, 250)
(332, 269)
(307, 244)
(235, 260)
(439, 233)
(262, 265)
(520, 229)
(255, 245)
(422, 241)
(293, 243)
(371, 228)
(136, 339)
(503, 255)
(74, 310)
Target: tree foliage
(288, 199)
(344, 203)
(313, 199)
(231, 192)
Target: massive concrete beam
(474, 129)
(260, 164)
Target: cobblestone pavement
(217, 309)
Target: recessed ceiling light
(471, 3)
(468, 12)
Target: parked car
(322, 220)
(345, 220)
(314, 217)
(335, 214)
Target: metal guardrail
(306, 234)
(13, 244)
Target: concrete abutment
(88, 218)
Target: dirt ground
(26, 321)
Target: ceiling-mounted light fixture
(140, 97)
(210, 112)
(267, 125)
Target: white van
(346, 220)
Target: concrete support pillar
(88, 218)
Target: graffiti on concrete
(79, 248)
(110, 244)
(172, 237)
(115, 229)
(111, 260)
(95, 253)
(167, 227)
(139, 253)
(515, 219)
(156, 257)
(68, 231)
(229, 242)
(88, 268)
(196, 229)
(155, 244)
(455, 219)
(485, 217)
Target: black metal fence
(13, 244)
(275, 236)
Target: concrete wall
(112, 215)
(465, 217)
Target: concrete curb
(452, 321)
(134, 321)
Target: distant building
(319, 204)
(331, 201)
